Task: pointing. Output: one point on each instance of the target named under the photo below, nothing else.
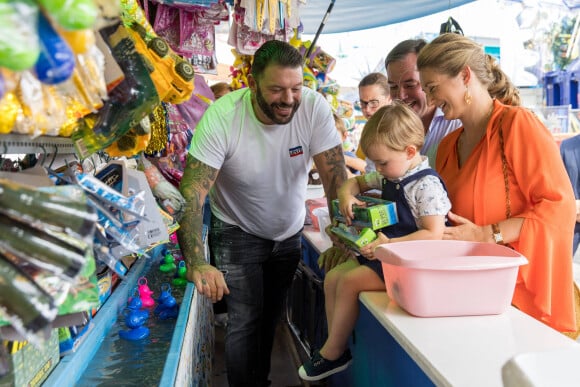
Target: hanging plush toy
(240, 69)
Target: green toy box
(377, 214)
(352, 237)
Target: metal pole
(322, 23)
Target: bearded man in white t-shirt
(251, 152)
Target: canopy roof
(353, 15)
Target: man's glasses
(373, 103)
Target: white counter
(464, 351)
(315, 239)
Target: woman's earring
(467, 96)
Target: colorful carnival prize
(72, 14)
(145, 293)
(56, 62)
(309, 79)
(180, 279)
(136, 329)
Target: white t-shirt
(263, 169)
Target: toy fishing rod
(320, 27)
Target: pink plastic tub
(450, 278)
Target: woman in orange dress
(504, 175)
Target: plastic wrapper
(78, 101)
(2, 85)
(180, 134)
(84, 92)
(43, 210)
(247, 40)
(28, 246)
(197, 42)
(9, 109)
(40, 109)
(103, 254)
(91, 79)
(133, 205)
(113, 234)
(84, 295)
(105, 216)
(52, 284)
(19, 43)
(23, 303)
(30, 105)
(166, 25)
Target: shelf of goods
(187, 360)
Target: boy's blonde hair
(396, 126)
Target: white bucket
(323, 220)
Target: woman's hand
(464, 229)
(209, 281)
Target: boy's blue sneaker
(319, 368)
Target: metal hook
(41, 146)
(53, 156)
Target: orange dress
(540, 192)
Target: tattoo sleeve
(195, 184)
(332, 168)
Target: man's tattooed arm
(332, 169)
(195, 184)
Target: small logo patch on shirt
(296, 151)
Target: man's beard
(269, 111)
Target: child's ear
(411, 151)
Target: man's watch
(497, 236)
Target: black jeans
(258, 273)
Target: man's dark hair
(404, 48)
(275, 52)
(378, 79)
